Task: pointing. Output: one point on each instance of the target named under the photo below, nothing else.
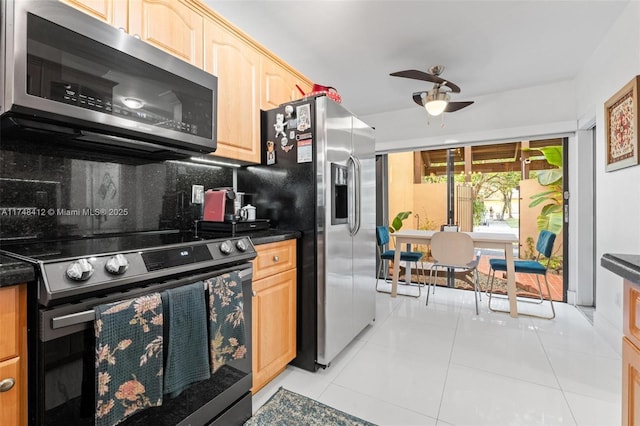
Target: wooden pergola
(504, 157)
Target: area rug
(286, 408)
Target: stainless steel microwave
(68, 74)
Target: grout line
(564, 396)
(446, 376)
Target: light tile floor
(443, 365)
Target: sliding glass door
(515, 187)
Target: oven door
(62, 384)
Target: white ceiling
(486, 46)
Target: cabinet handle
(276, 259)
(7, 384)
(253, 293)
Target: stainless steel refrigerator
(318, 177)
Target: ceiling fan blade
(455, 106)
(417, 98)
(418, 75)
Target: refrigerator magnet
(303, 112)
(305, 150)
(279, 125)
(271, 153)
(288, 111)
(284, 144)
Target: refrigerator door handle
(357, 183)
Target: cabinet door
(10, 399)
(112, 12)
(274, 326)
(630, 383)
(236, 64)
(169, 25)
(9, 321)
(278, 84)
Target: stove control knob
(241, 245)
(80, 270)
(225, 247)
(117, 265)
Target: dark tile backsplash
(45, 193)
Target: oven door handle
(73, 319)
(67, 319)
(79, 317)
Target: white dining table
(490, 240)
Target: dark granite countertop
(267, 236)
(625, 265)
(14, 271)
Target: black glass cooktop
(63, 249)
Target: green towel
(129, 341)
(226, 319)
(187, 354)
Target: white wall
(613, 63)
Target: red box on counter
(214, 205)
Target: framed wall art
(621, 127)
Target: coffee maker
(219, 205)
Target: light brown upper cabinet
(236, 64)
(170, 25)
(114, 13)
(279, 84)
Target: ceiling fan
(435, 101)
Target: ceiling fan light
(435, 103)
(435, 107)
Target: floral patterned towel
(128, 358)
(187, 354)
(226, 319)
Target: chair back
(545, 243)
(452, 248)
(382, 235)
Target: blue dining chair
(385, 255)
(544, 247)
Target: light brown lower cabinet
(13, 358)
(273, 311)
(631, 354)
